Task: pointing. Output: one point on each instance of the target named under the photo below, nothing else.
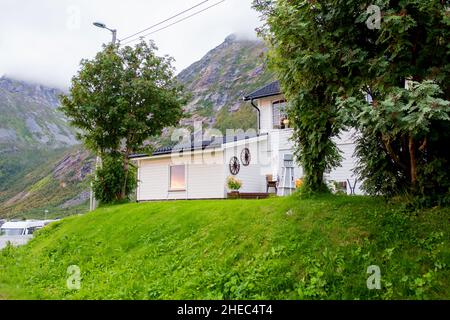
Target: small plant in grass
(298, 183)
(234, 184)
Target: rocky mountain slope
(29, 118)
(34, 138)
(57, 183)
(223, 76)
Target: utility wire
(161, 22)
(178, 21)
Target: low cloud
(44, 41)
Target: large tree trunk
(412, 158)
(319, 179)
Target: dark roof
(196, 145)
(271, 89)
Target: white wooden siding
(346, 143)
(265, 107)
(345, 171)
(266, 115)
(253, 180)
(153, 181)
(207, 180)
(346, 137)
(204, 180)
(252, 176)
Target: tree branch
(391, 152)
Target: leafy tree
(316, 50)
(244, 118)
(412, 127)
(405, 116)
(325, 51)
(121, 98)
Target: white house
(198, 167)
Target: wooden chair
(270, 183)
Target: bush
(402, 143)
(110, 178)
(233, 183)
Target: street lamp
(93, 201)
(103, 26)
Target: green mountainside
(57, 183)
(35, 143)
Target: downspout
(259, 114)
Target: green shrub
(110, 178)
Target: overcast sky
(43, 41)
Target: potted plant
(234, 185)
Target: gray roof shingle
(271, 89)
(197, 145)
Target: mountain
(56, 183)
(35, 139)
(219, 80)
(30, 119)
(43, 167)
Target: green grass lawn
(278, 248)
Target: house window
(177, 178)
(279, 115)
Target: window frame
(170, 178)
(278, 126)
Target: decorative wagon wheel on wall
(234, 166)
(246, 157)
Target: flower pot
(234, 194)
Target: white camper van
(20, 228)
(20, 232)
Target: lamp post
(113, 31)
(92, 200)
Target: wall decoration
(246, 157)
(235, 166)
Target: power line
(178, 21)
(170, 18)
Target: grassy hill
(278, 248)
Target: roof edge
(248, 98)
(269, 90)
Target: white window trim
(185, 178)
(272, 122)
